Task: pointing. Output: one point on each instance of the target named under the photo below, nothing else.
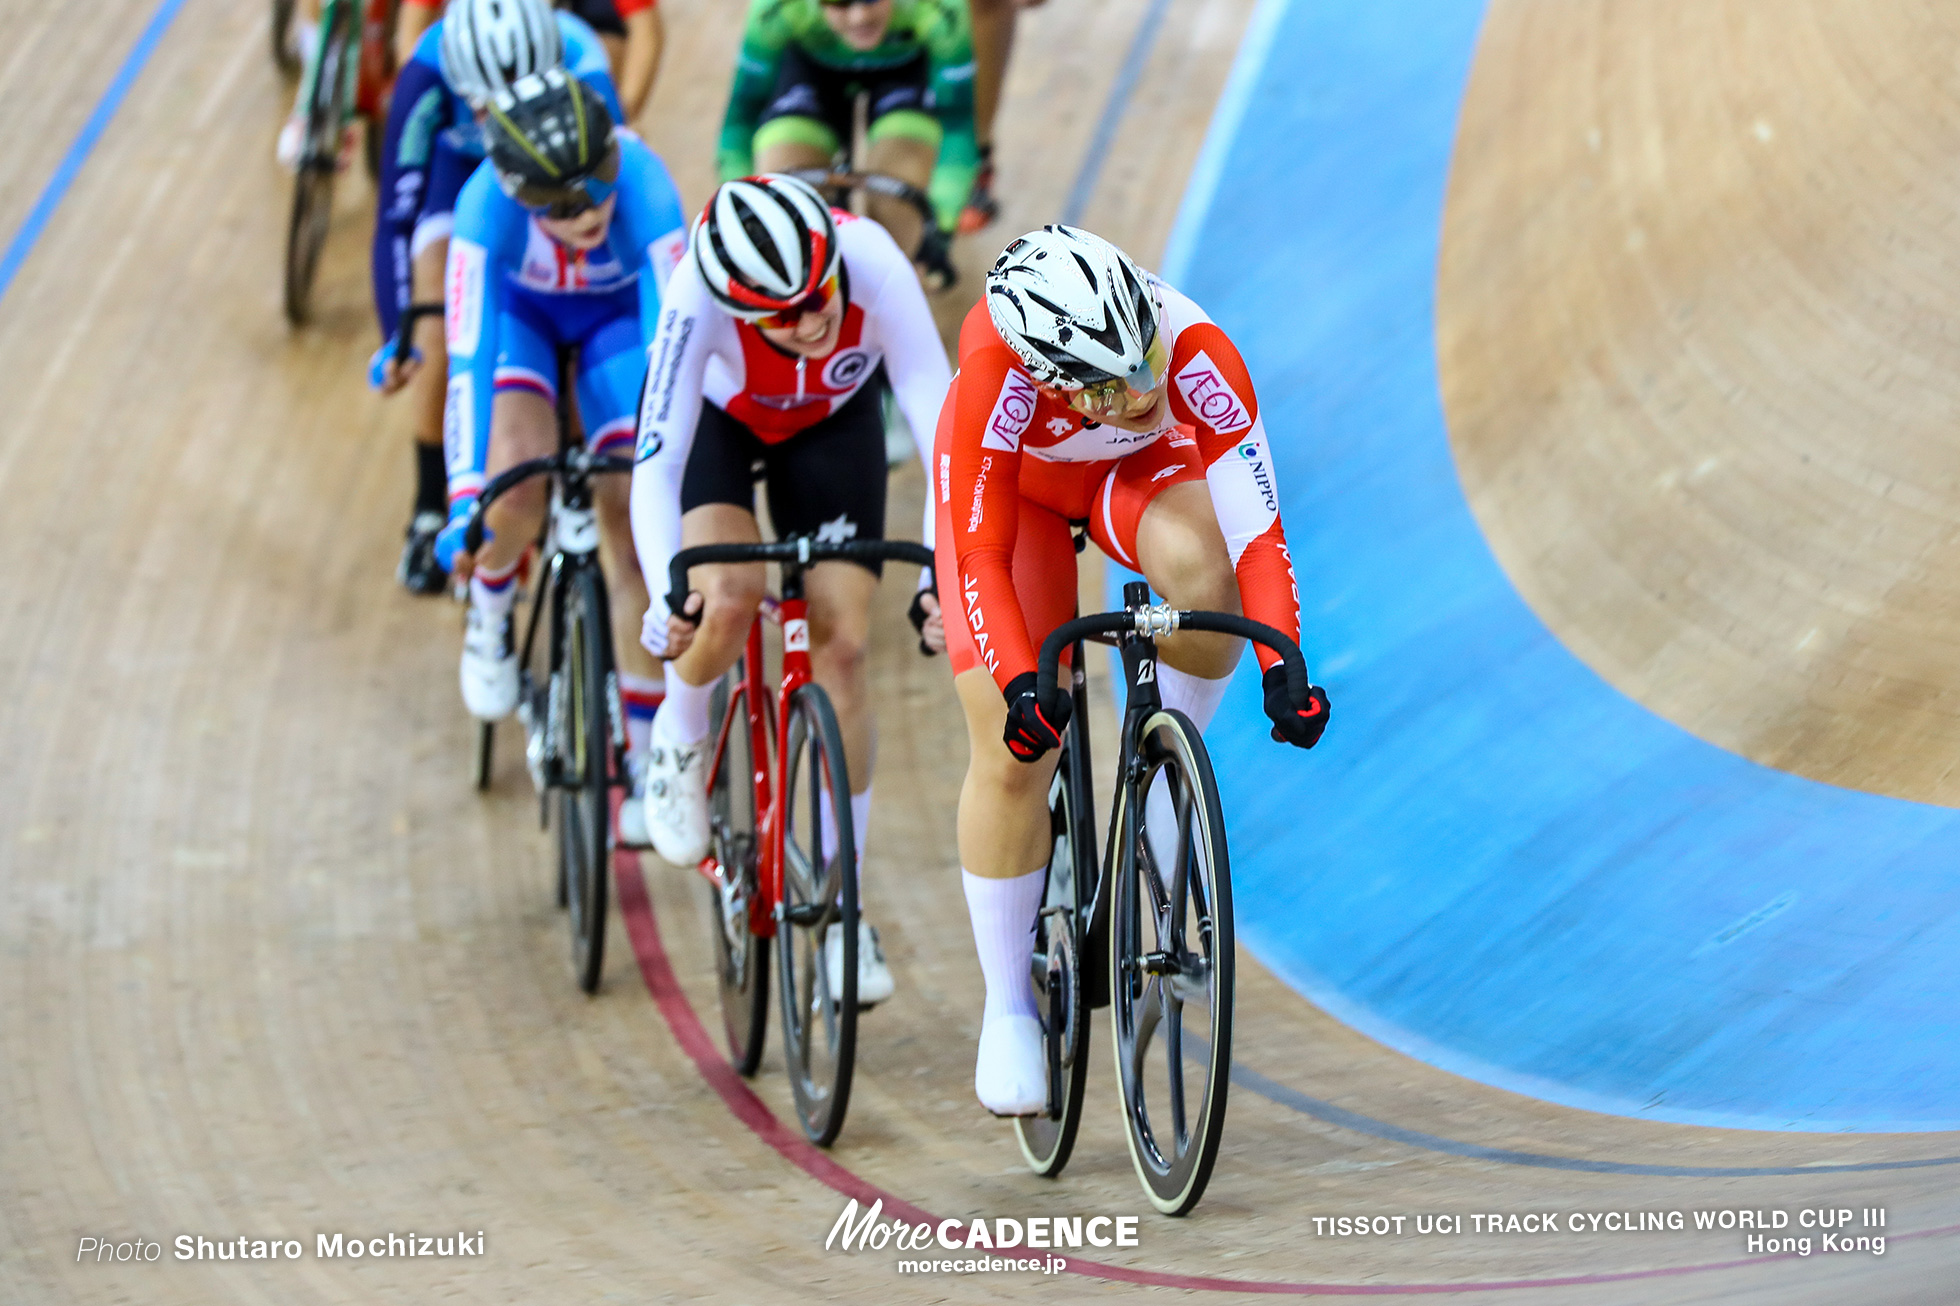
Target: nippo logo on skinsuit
(1013, 410)
(1207, 395)
(846, 368)
(463, 324)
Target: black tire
(327, 112)
(819, 892)
(584, 754)
(371, 132)
(1171, 960)
(285, 55)
(741, 957)
(486, 753)
(1060, 930)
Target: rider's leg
(418, 570)
(905, 145)
(793, 143)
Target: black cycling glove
(917, 615)
(1299, 727)
(1033, 727)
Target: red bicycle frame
(765, 730)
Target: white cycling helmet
(1074, 309)
(765, 244)
(488, 44)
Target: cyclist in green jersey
(803, 62)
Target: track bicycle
(348, 76)
(1152, 942)
(575, 728)
(935, 251)
(782, 856)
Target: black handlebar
(933, 254)
(405, 327)
(1224, 623)
(801, 550)
(564, 460)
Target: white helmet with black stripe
(1074, 309)
(488, 44)
(765, 244)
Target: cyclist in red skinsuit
(1087, 392)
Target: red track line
(642, 928)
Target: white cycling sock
(1198, 699)
(1002, 912)
(640, 696)
(493, 593)
(860, 832)
(682, 720)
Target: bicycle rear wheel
(1047, 1139)
(1171, 954)
(327, 110)
(741, 958)
(819, 894)
(584, 753)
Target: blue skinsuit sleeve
(488, 241)
(586, 59)
(418, 111)
(649, 231)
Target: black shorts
(827, 481)
(808, 89)
(599, 15)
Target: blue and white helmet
(1074, 309)
(488, 44)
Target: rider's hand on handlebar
(1300, 727)
(389, 374)
(927, 620)
(668, 635)
(1034, 727)
(450, 555)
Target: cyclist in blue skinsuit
(431, 147)
(566, 238)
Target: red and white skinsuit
(1013, 467)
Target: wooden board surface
(270, 967)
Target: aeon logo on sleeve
(1209, 398)
(1013, 410)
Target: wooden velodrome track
(268, 966)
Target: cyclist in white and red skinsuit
(1091, 392)
(777, 338)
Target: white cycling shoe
(676, 806)
(632, 811)
(489, 669)
(874, 976)
(1011, 1075)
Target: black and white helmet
(1074, 309)
(488, 44)
(765, 244)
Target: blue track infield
(1495, 862)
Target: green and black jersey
(937, 29)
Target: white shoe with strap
(1010, 1075)
(676, 806)
(489, 668)
(875, 982)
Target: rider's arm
(949, 47)
(991, 404)
(691, 328)
(418, 110)
(900, 322)
(646, 37)
(1212, 392)
(585, 59)
(649, 231)
(488, 237)
(763, 41)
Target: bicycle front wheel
(285, 54)
(1047, 1139)
(584, 755)
(819, 1007)
(741, 959)
(1171, 954)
